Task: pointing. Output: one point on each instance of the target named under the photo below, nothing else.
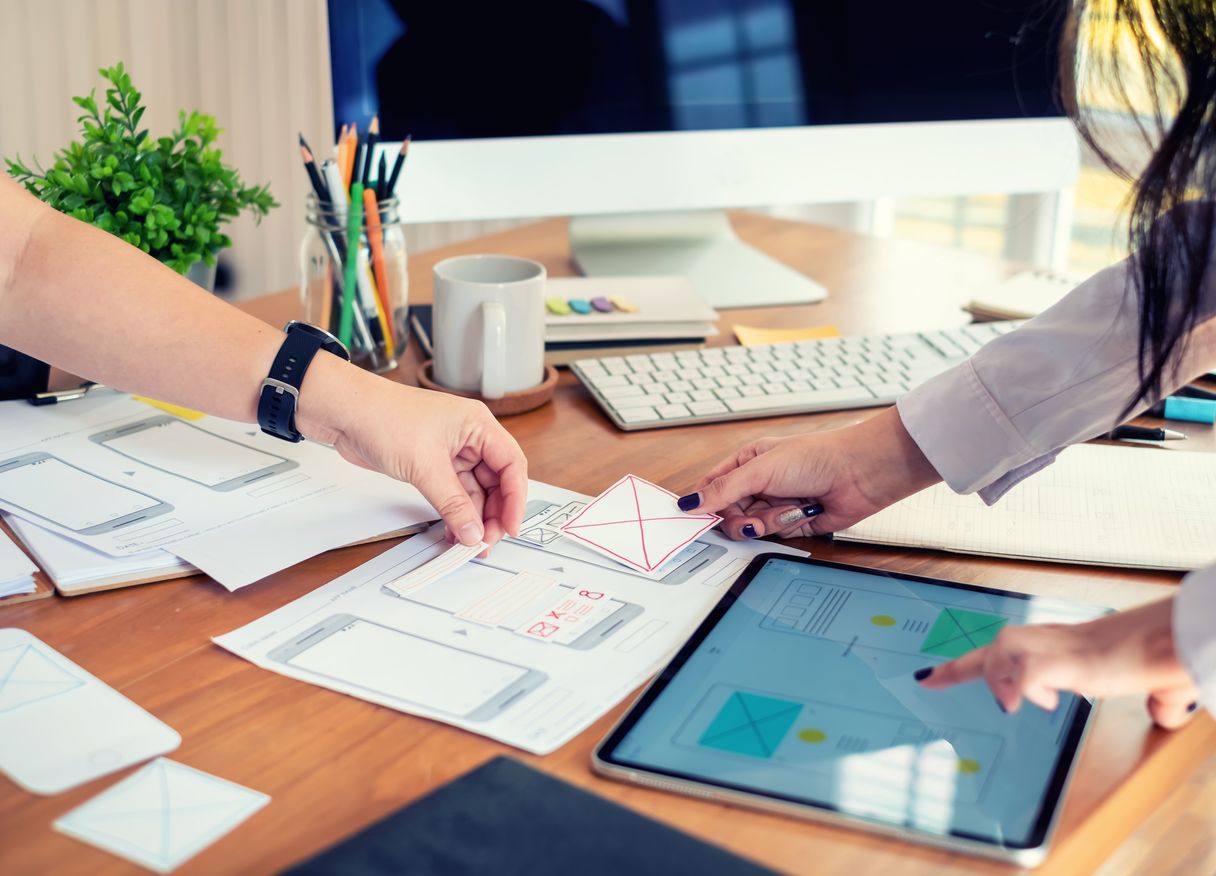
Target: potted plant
(168, 196)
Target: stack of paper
(16, 570)
(76, 568)
(1023, 295)
(1097, 504)
(662, 307)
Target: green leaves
(169, 196)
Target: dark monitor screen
(443, 69)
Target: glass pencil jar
(358, 293)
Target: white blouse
(1061, 378)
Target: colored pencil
(382, 179)
(391, 189)
(374, 232)
(354, 228)
(348, 166)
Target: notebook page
(1097, 504)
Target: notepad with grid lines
(1096, 505)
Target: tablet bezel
(1033, 852)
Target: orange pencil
(372, 217)
(352, 147)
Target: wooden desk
(333, 764)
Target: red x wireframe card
(637, 523)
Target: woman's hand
(813, 484)
(452, 449)
(1126, 653)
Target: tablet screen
(800, 687)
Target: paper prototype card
(444, 564)
(162, 815)
(60, 727)
(637, 523)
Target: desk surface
(333, 764)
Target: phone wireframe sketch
(542, 519)
(624, 613)
(408, 668)
(66, 495)
(187, 451)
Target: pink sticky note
(637, 523)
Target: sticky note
(515, 595)
(751, 336)
(175, 410)
(623, 304)
(557, 306)
(602, 304)
(580, 306)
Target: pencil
(314, 176)
(354, 227)
(391, 188)
(369, 157)
(382, 179)
(352, 143)
(374, 231)
(370, 302)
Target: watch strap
(280, 395)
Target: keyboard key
(612, 393)
(680, 386)
(688, 373)
(751, 391)
(892, 390)
(637, 415)
(725, 392)
(678, 397)
(706, 408)
(703, 395)
(673, 412)
(824, 398)
(705, 383)
(729, 380)
(611, 380)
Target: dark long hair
(1173, 55)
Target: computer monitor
(643, 119)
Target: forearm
(84, 301)
(891, 466)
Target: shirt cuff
(962, 431)
(1194, 633)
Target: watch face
(328, 341)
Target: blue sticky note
(751, 724)
(579, 305)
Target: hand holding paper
(637, 523)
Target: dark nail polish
(1001, 706)
(922, 674)
(812, 510)
(1192, 707)
(687, 503)
(749, 530)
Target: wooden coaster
(510, 404)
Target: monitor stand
(701, 246)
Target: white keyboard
(649, 391)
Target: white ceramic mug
(488, 324)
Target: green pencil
(354, 230)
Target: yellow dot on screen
(967, 765)
(883, 620)
(812, 735)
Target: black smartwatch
(281, 388)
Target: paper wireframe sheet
(637, 523)
(123, 478)
(162, 815)
(528, 646)
(61, 727)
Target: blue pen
(1195, 410)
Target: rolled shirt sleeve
(1194, 641)
(1063, 377)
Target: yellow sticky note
(751, 336)
(175, 410)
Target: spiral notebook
(1102, 505)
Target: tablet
(796, 695)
